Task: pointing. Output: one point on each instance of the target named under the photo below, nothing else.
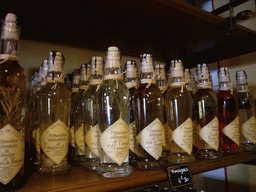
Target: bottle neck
(55, 76)
(204, 84)
(148, 77)
(225, 86)
(177, 81)
(9, 50)
(112, 73)
(242, 88)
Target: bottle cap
(131, 69)
(203, 72)
(97, 65)
(147, 63)
(161, 75)
(241, 77)
(85, 72)
(76, 77)
(223, 75)
(9, 27)
(176, 68)
(113, 57)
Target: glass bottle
(131, 81)
(149, 110)
(246, 113)
(206, 116)
(76, 112)
(190, 85)
(89, 107)
(55, 105)
(12, 109)
(227, 114)
(114, 110)
(179, 117)
(162, 84)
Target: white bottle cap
(9, 28)
(147, 63)
(113, 58)
(131, 69)
(97, 65)
(176, 68)
(85, 72)
(223, 75)
(241, 77)
(203, 72)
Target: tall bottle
(150, 129)
(162, 84)
(206, 116)
(179, 116)
(114, 110)
(246, 111)
(89, 115)
(55, 104)
(227, 114)
(190, 85)
(12, 109)
(131, 81)
(79, 131)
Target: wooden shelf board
(80, 179)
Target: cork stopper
(147, 64)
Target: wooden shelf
(168, 29)
(80, 179)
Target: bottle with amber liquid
(178, 103)
(162, 84)
(227, 114)
(12, 110)
(131, 81)
(206, 109)
(149, 110)
(114, 119)
(54, 113)
(246, 111)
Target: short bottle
(149, 110)
(246, 113)
(162, 84)
(178, 103)
(227, 114)
(55, 105)
(206, 116)
(131, 81)
(89, 107)
(114, 110)
(12, 109)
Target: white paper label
(232, 130)
(210, 133)
(72, 136)
(115, 141)
(12, 149)
(248, 129)
(54, 141)
(133, 143)
(92, 140)
(151, 138)
(183, 136)
(79, 138)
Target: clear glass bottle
(131, 81)
(246, 113)
(190, 85)
(12, 109)
(179, 117)
(114, 119)
(89, 115)
(55, 105)
(162, 84)
(79, 132)
(227, 114)
(149, 111)
(206, 116)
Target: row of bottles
(112, 119)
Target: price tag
(179, 175)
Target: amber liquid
(150, 105)
(13, 81)
(226, 114)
